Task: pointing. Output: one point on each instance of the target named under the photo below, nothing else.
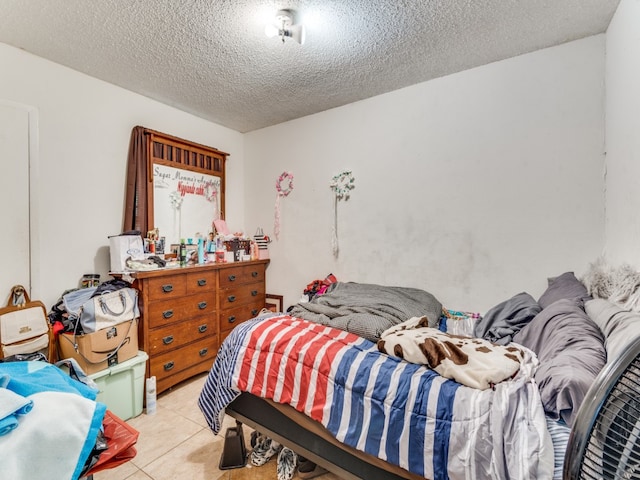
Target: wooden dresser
(187, 312)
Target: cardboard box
(121, 387)
(102, 349)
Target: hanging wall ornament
(341, 184)
(284, 186)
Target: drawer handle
(202, 328)
(168, 339)
(254, 312)
(202, 305)
(202, 282)
(231, 319)
(231, 298)
(168, 366)
(254, 293)
(167, 288)
(203, 352)
(167, 314)
(232, 278)
(254, 274)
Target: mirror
(173, 185)
(185, 203)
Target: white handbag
(109, 309)
(23, 325)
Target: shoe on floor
(264, 451)
(308, 469)
(287, 460)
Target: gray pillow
(620, 327)
(570, 347)
(503, 321)
(565, 286)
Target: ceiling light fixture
(284, 27)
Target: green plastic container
(122, 386)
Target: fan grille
(613, 448)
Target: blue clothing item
(27, 378)
(8, 424)
(41, 382)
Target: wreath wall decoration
(284, 186)
(341, 184)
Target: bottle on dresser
(183, 253)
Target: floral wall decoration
(284, 186)
(341, 184)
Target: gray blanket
(570, 347)
(506, 319)
(368, 310)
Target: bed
(322, 385)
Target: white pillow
(619, 327)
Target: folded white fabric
(61, 428)
(473, 362)
(52, 434)
(12, 405)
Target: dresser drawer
(172, 311)
(232, 297)
(170, 363)
(231, 317)
(201, 281)
(230, 277)
(167, 287)
(178, 334)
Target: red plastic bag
(121, 438)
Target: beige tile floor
(176, 443)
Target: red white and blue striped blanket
(401, 412)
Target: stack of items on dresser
(129, 251)
(97, 325)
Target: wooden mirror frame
(149, 147)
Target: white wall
(80, 168)
(474, 186)
(623, 135)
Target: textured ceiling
(212, 58)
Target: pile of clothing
(317, 288)
(63, 316)
(35, 401)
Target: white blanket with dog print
(473, 362)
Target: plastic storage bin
(122, 386)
